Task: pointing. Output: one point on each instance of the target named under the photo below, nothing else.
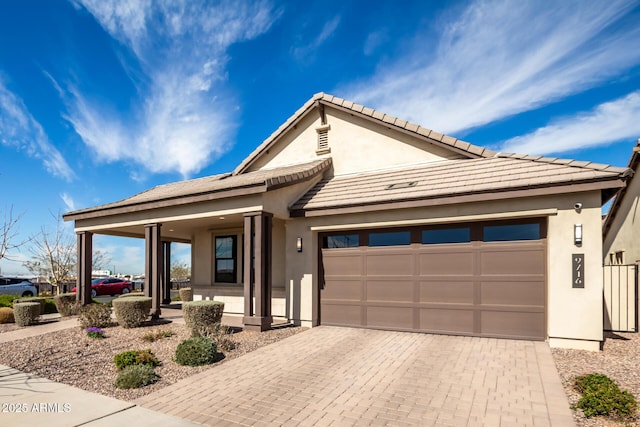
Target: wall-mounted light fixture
(577, 234)
(299, 244)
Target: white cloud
(20, 130)
(68, 201)
(183, 118)
(303, 52)
(500, 58)
(607, 123)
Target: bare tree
(9, 233)
(180, 271)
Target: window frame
(234, 258)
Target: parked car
(17, 286)
(109, 286)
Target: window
(499, 233)
(341, 241)
(393, 238)
(226, 262)
(446, 235)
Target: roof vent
(401, 185)
(323, 139)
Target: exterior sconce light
(577, 234)
(299, 244)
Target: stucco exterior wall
(622, 235)
(377, 146)
(574, 316)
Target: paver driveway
(344, 376)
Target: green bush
(176, 298)
(186, 294)
(6, 315)
(50, 306)
(202, 316)
(136, 376)
(135, 357)
(602, 396)
(196, 351)
(132, 294)
(157, 335)
(98, 315)
(132, 312)
(26, 313)
(7, 300)
(40, 300)
(66, 304)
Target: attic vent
(400, 185)
(323, 140)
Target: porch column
(166, 279)
(85, 258)
(153, 270)
(257, 271)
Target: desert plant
(131, 312)
(39, 300)
(219, 334)
(135, 357)
(132, 294)
(93, 332)
(136, 376)
(98, 315)
(196, 351)
(50, 306)
(186, 294)
(6, 315)
(26, 313)
(201, 316)
(602, 396)
(7, 300)
(66, 304)
(157, 335)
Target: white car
(20, 287)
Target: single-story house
(348, 216)
(621, 226)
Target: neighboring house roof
(458, 181)
(634, 161)
(208, 188)
(322, 99)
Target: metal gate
(620, 298)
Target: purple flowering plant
(94, 332)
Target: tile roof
(454, 144)
(634, 162)
(448, 178)
(266, 178)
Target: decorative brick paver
(342, 376)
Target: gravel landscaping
(619, 360)
(72, 358)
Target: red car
(109, 286)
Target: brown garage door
(479, 279)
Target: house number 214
(578, 270)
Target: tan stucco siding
(356, 145)
(622, 235)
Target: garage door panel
(343, 265)
(446, 292)
(512, 261)
(344, 289)
(513, 324)
(385, 290)
(446, 320)
(342, 314)
(513, 292)
(390, 317)
(442, 264)
(389, 264)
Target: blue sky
(101, 99)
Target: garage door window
(446, 235)
(500, 233)
(394, 238)
(341, 241)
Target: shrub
(26, 313)
(156, 335)
(6, 315)
(136, 376)
(135, 357)
(195, 352)
(98, 315)
(39, 300)
(94, 332)
(132, 312)
(602, 396)
(7, 300)
(186, 294)
(219, 334)
(176, 298)
(202, 316)
(66, 304)
(50, 306)
(132, 294)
